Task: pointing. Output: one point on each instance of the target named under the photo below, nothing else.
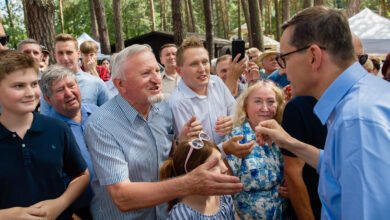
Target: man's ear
(47, 99)
(118, 83)
(316, 53)
(178, 70)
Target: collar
(36, 126)
(129, 111)
(189, 93)
(165, 75)
(86, 111)
(337, 90)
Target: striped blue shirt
(125, 146)
(182, 211)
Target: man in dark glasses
(318, 55)
(3, 38)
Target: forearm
(299, 197)
(130, 196)
(306, 152)
(75, 188)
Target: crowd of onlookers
(300, 133)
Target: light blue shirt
(185, 103)
(92, 90)
(78, 130)
(125, 146)
(354, 167)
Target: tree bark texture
(117, 9)
(40, 21)
(94, 27)
(62, 18)
(209, 27)
(177, 21)
(225, 18)
(257, 33)
(285, 10)
(188, 17)
(245, 10)
(102, 26)
(152, 15)
(353, 7)
(239, 34)
(10, 16)
(191, 11)
(277, 23)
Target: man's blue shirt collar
(337, 90)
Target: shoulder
(180, 211)
(46, 122)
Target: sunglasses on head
(4, 40)
(196, 144)
(363, 59)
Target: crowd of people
(300, 133)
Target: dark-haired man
(320, 61)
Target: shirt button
(14, 135)
(23, 145)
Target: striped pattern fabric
(182, 211)
(124, 146)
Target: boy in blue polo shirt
(34, 149)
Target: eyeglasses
(4, 40)
(196, 144)
(363, 59)
(282, 61)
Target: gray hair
(52, 74)
(28, 41)
(118, 60)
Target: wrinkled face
(195, 70)
(88, 57)
(33, 50)
(298, 66)
(270, 64)
(142, 79)
(221, 167)
(20, 91)
(168, 57)
(65, 96)
(106, 64)
(67, 55)
(253, 55)
(223, 69)
(261, 105)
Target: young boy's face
(20, 91)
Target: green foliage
(76, 17)
(18, 31)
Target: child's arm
(22, 213)
(54, 207)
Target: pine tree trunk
(318, 2)
(219, 26)
(191, 15)
(257, 34)
(353, 7)
(178, 31)
(245, 10)
(285, 10)
(117, 11)
(94, 27)
(209, 27)
(188, 17)
(152, 15)
(40, 21)
(277, 23)
(10, 16)
(62, 18)
(306, 4)
(102, 25)
(225, 18)
(163, 15)
(239, 35)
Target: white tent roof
(84, 37)
(373, 30)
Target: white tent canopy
(84, 37)
(373, 30)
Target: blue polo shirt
(31, 168)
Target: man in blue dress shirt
(320, 61)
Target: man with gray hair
(32, 48)
(129, 138)
(60, 89)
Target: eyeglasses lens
(4, 40)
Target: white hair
(117, 62)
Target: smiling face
(168, 57)
(65, 97)
(195, 70)
(20, 91)
(261, 105)
(142, 80)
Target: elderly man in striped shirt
(131, 135)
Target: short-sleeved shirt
(301, 123)
(31, 168)
(218, 102)
(279, 79)
(169, 83)
(78, 132)
(183, 211)
(125, 146)
(92, 90)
